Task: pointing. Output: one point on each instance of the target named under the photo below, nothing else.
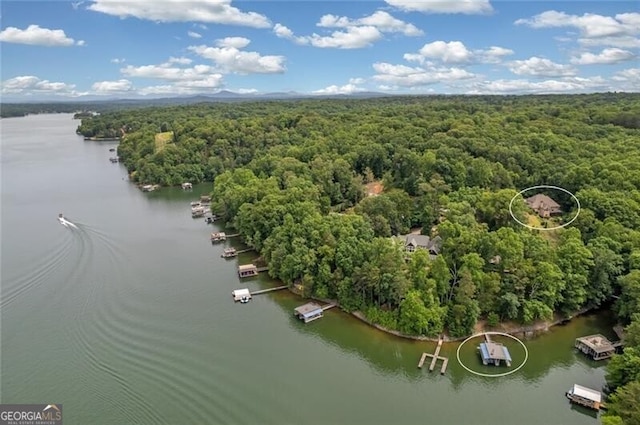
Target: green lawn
(162, 139)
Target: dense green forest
(292, 178)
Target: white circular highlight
(544, 228)
(490, 375)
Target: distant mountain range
(223, 95)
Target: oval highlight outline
(543, 228)
(489, 375)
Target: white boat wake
(65, 222)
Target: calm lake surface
(129, 319)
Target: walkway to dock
(262, 269)
(434, 358)
(242, 251)
(264, 291)
(328, 306)
(234, 235)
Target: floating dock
(434, 359)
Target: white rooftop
(587, 393)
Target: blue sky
(159, 48)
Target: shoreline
(526, 331)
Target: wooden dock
(434, 359)
(264, 291)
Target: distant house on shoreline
(543, 205)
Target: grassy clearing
(534, 220)
(162, 139)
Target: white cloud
(624, 42)
(36, 36)
(607, 56)
(104, 87)
(468, 7)
(178, 61)
(493, 54)
(205, 11)
(381, 20)
(118, 60)
(540, 67)
(194, 34)
(455, 52)
(452, 52)
(566, 85)
(350, 38)
(354, 33)
(631, 74)
(234, 42)
(628, 80)
(406, 76)
(29, 84)
(229, 58)
(346, 89)
(167, 72)
(618, 31)
(589, 24)
(246, 91)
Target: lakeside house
(413, 243)
(543, 205)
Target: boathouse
(247, 270)
(597, 346)
(197, 212)
(242, 295)
(585, 396)
(308, 312)
(494, 353)
(205, 199)
(218, 237)
(187, 186)
(229, 252)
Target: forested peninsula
(319, 187)
(403, 208)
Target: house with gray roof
(543, 205)
(414, 242)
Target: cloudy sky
(159, 48)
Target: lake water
(129, 318)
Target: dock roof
(494, 351)
(308, 308)
(598, 343)
(245, 267)
(587, 393)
